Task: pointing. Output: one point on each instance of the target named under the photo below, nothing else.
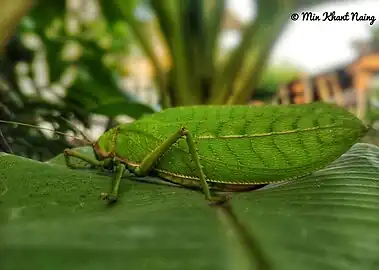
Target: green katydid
(228, 147)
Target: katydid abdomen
(238, 145)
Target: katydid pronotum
(227, 147)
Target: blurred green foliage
(72, 72)
(197, 75)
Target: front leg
(112, 197)
(72, 153)
(151, 159)
(120, 168)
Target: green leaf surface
(51, 218)
(54, 220)
(329, 220)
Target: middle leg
(151, 159)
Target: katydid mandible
(227, 147)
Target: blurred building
(347, 85)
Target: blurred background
(100, 63)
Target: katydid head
(85, 136)
(105, 146)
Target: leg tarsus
(113, 195)
(108, 197)
(220, 200)
(120, 169)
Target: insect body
(227, 147)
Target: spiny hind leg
(214, 200)
(151, 159)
